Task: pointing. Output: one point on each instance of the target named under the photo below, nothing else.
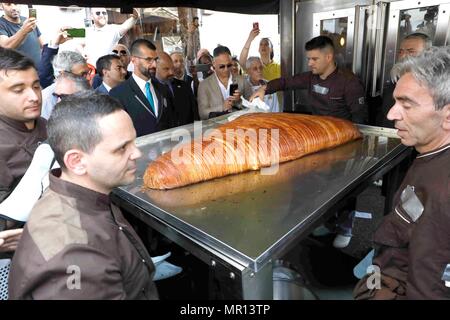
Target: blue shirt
(31, 46)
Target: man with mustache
(76, 243)
(146, 100)
(184, 102)
(412, 253)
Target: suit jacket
(45, 67)
(101, 89)
(97, 80)
(184, 102)
(136, 104)
(210, 97)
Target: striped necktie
(149, 96)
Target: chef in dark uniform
(331, 91)
(412, 252)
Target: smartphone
(202, 67)
(233, 88)
(255, 25)
(32, 13)
(76, 32)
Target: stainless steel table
(239, 224)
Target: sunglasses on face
(101, 12)
(222, 66)
(121, 52)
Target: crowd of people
(76, 244)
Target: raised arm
(244, 53)
(16, 40)
(129, 23)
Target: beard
(178, 72)
(147, 72)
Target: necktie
(149, 95)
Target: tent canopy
(238, 6)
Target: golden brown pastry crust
(243, 145)
(250, 181)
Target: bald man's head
(164, 67)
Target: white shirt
(48, 101)
(101, 41)
(270, 99)
(141, 83)
(225, 91)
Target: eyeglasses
(148, 60)
(228, 66)
(84, 74)
(60, 95)
(121, 52)
(101, 12)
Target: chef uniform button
(143, 260)
(120, 228)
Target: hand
(9, 239)
(236, 96)
(260, 93)
(228, 104)
(29, 25)
(253, 34)
(135, 14)
(61, 36)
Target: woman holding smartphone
(271, 69)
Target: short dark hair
(138, 43)
(221, 50)
(74, 122)
(13, 60)
(320, 42)
(104, 62)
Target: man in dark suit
(145, 99)
(179, 68)
(184, 102)
(112, 71)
